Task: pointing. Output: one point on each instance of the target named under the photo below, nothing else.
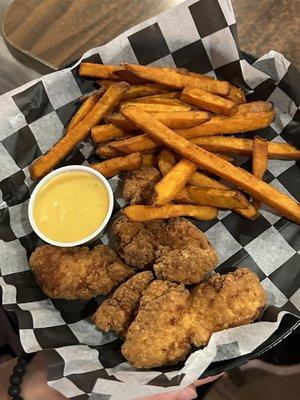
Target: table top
(49, 34)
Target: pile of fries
(177, 121)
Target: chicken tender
(154, 338)
(224, 301)
(171, 319)
(118, 311)
(176, 248)
(77, 272)
(139, 185)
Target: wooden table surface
(55, 32)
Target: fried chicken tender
(176, 248)
(139, 185)
(77, 272)
(224, 301)
(154, 338)
(118, 311)
(171, 319)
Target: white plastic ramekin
(58, 171)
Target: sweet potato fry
(259, 162)
(167, 95)
(105, 133)
(166, 161)
(255, 106)
(130, 77)
(224, 156)
(108, 82)
(182, 119)
(212, 197)
(208, 101)
(120, 121)
(48, 161)
(145, 90)
(106, 151)
(155, 100)
(237, 95)
(178, 120)
(149, 160)
(134, 144)
(160, 106)
(202, 180)
(171, 184)
(237, 123)
(234, 145)
(110, 168)
(177, 80)
(147, 213)
(94, 70)
(86, 107)
(214, 164)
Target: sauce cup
(72, 168)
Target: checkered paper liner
(201, 36)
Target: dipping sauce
(70, 206)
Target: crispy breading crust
(171, 318)
(154, 339)
(139, 185)
(179, 251)
(118, 311)
(77, 273)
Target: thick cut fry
(84, 109)
(178, 80)
(214, 164)
(149, 160)
(237, 95)
(182, 119)
(145, 90)
(45, 163)
(134, 144)
(202, 180)
(120, 121)
(160, 106)
(148, 213)
(110, 168)
(106, 151)
(108, 82)
(205, 196)
(259, 161)
(234, 145)
(208, 101)
(166, 95)
(178, 120)
(98, 70)
(171, 184)
(255, 106)
(237, 123)
(130, 77)
(166, 161)
(105, 133)
(155, 100)
(224, 156)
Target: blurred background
(40, 36)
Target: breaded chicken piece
(176, 248)
(118, 311)
(77, 272)
(154, 338)
(171, 319)
(187, 257)
(224, 301)
(139, 185)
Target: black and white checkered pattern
(201, 36)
